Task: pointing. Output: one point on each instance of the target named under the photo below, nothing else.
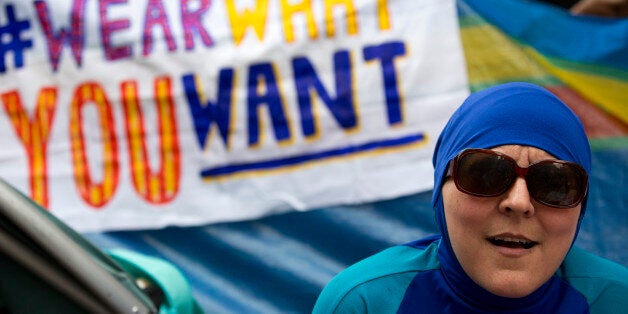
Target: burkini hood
(517, 114)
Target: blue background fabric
(279, 264)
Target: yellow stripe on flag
(609, 94)
(493, 57)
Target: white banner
(120, 114)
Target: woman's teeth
(512, 242)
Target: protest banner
(129, 115)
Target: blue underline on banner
(276, 164)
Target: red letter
(95, 194)
(34, 135)
(160, 186)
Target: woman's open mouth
(513, 243)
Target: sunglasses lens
(556, 184)
(484, 174)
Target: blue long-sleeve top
(411, 279)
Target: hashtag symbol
(11, 41)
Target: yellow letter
(352, 25)
(383, 15)
(241, 21)
(288, 10)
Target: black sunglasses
(486, 173)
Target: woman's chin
(512, 289)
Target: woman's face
(486, 232)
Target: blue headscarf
(512, 113)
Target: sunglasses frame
(454, 166)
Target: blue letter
(205, 114)
(386, 53)
(341, 107)
(262, 89)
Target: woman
(510, 192)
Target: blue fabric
(378, 283)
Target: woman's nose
(517, 199)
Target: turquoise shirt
(380, 283)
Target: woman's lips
(512, 242)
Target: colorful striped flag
(582, 59)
